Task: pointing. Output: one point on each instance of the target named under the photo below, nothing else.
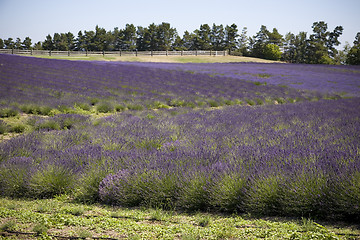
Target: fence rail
(114, 53)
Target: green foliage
(18, 128)
(119, 108)
(94, 101)
(272, 52)
(83, 106)
(13, 181)
(3, 127)
(263, 196)
(8, 112)
(195, 193)
(157, 105)
(104, 107)
(8, 226)
(213, 103)
(50, 181)
(227, 194)
(87, 189)
(203, 220)
(49, 125)
(353, 57)
(135, 107)
(40, 229)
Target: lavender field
(264, 139)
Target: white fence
(114, 53)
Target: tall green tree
(80, 44)
(231, 35)
(243, 42)
(48, 44)
(127, 38)
(275, 37)
(70, 41)
(165, 36)
(89, 41)
(259, 41)
(18, 44)
(203, 37)
(178, 44)
(353, 56)
(217, 37)
(321, 47)
(38, 46)
(26, 44)
(9, 43)
(190, 41)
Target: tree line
(319, 47)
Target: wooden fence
(114, 53)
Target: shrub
(94, 101)
(45, 110)
(119, 108)
(263, 196)
(18, 128)
(120, 189)
(306, 194)
(88, 184)
(104, 107)
(228, 193)
(3, 127)
(51, 180)
(15, 176)
(158, 105)
(8, 112)
(64, 109)
(195, 193)
(48, 124)
(213, 103)
(30, 108)
(137, 107)
(250, 102)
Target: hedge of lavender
(34, 85)
(297, 159)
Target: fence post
(103, 52)
(68, 53)
(166, 52)
(136, 52)
(50, 53)
(31, 52)
(181, 52)
(195, 52)
(151, 52)
(12, 51)
(120, 52)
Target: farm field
(179, 151)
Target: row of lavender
(60, 84)
(300, 159)
(344, 80)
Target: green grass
(67, 218)
(174, 59)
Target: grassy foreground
(61, 218)
(170, 59)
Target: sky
(38, 18)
